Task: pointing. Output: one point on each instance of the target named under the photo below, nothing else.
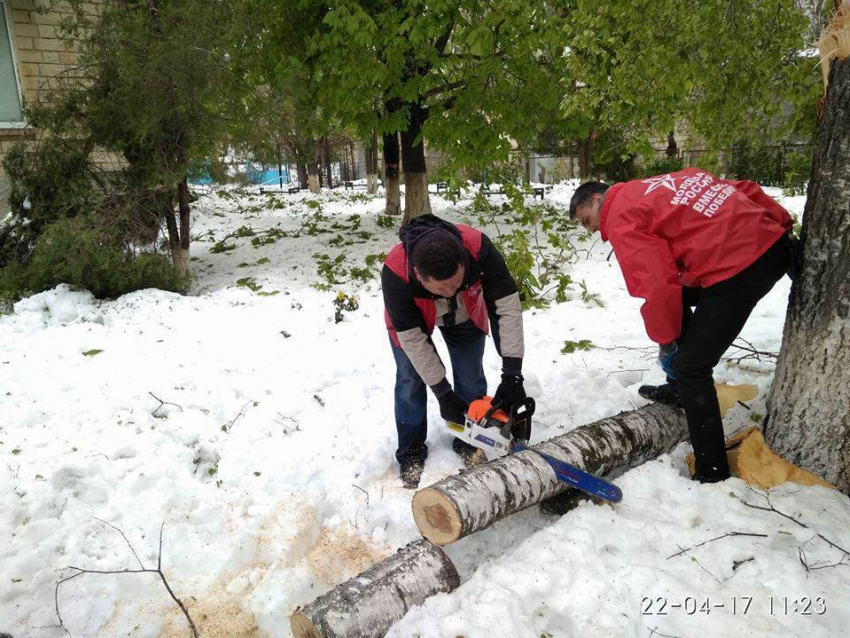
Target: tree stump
(476, 498)
(367, 605)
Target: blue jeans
(466, 351)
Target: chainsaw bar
(579, 479)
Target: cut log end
(437, 517)
(303, 627)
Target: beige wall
(43, 59)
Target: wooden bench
(442, 187)
(293, 189)
(349, 186)
(538, 190)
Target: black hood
(427, 225)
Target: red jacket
(688, 228)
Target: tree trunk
(585, 158)
(672, 147)
(181, 260)
(391, 174)
(416, 199)
(809, 403)
(313, 178)
(369, 604)
(475, 499)
(173, 230)
(329, 180)
(301, 167)
(372, 165)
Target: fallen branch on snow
(142, 570)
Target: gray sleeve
(509, 317)
(422, 355)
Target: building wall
(43, 61)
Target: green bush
(663, 165)
(83, 254)
(49, 183)
(757, 162)
(710, 162)
(797, 173)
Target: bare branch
(162, 403)
(364, 491)
(125, 539)
(80, 571)
(227, 427)
(771, 508)
(711, 540)
(751, 351)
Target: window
(10, 93)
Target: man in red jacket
(692, 239)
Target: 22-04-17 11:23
(737, 605)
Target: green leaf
(574, 346)
(92, 353)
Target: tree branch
(446, 87)
(771, 508)
(711, 540)
(162, 403)
(80, 571)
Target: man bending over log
(452, 277)
(690, 239)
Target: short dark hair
(438, 255)
(584, 193)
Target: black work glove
(452, 407)
(510, 391)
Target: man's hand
(510, 391)
(452, 407)
(666, 354)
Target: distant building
(31, 55)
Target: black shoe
(410, 472)
(713, 478)
(666, 393)
(471, 456)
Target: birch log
(367, 605)
(475, 499)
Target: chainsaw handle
(522, 409)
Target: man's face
(588, 213)
(442, 287)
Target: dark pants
(707, 332)
(466, 351)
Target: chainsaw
(498, 433)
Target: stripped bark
(372, 165)
(391, 174)
(475, 499)
(367, 605)
(417, 201)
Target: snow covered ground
(260, 432)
